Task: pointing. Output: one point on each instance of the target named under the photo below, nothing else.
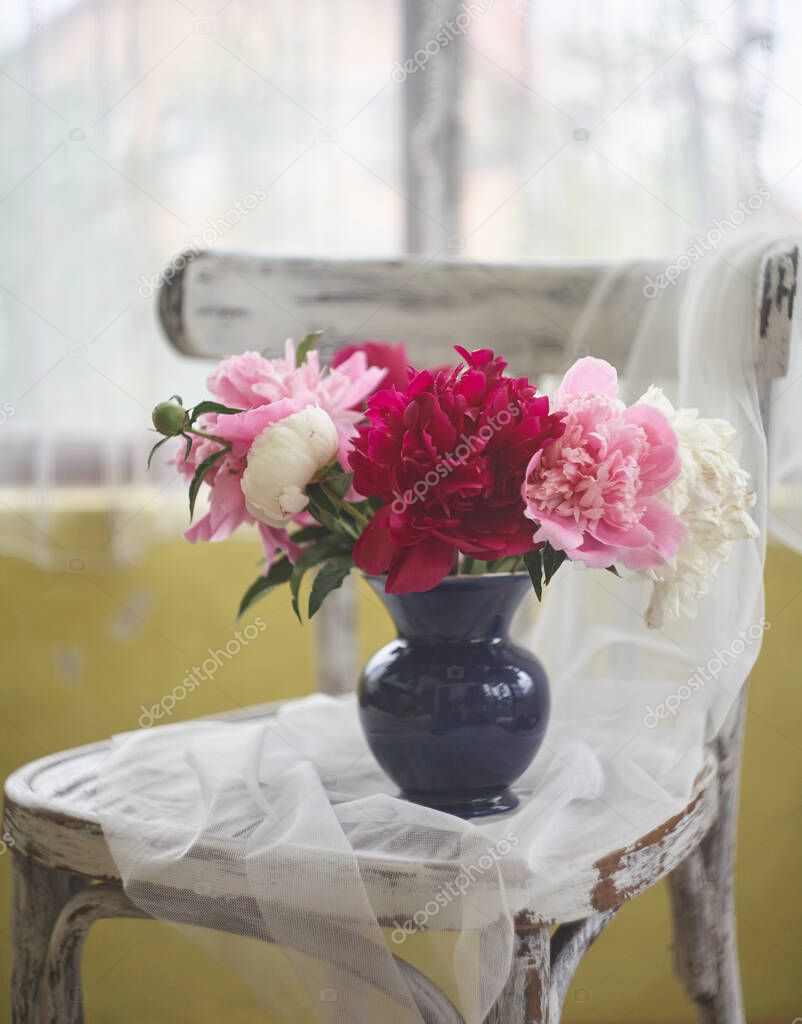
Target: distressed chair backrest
(214, 304)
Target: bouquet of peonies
(418, 474)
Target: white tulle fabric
(292, 825)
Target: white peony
(282, 461)
(712, 497)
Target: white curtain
(136, 128)
(572, 130)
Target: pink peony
(594, 492)
(268, 391)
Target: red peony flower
(447, 458)
(385, 356)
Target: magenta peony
(387, 356)
(594, 492)
(446, 458)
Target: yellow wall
(81, 651)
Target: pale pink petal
(201, 529)
(668, 529)
(662, 464)
(588, 375)
(269, 546)
(274, 540)
(594, 554)
(347, 436)
(635, 536)
(559, 532)
(245, 427)
(226, 504)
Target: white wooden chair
(64, 876)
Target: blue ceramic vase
(453, 711)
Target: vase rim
(518, 574)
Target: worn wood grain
(694, 925)
(242, 917)
(39, 894)
(775, 313)
(569, 943)
(525, 997)
(775, 322)
(703, 899)
(50, 808)
(627, 872)
(222, 303)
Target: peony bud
(170, 418)
(282, 461)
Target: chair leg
(525, 997)
(62, 968)
(569, 943)
(38, 898)
(703, 900)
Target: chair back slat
(222, 303)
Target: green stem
(207, 437)
(343, 504)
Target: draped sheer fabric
(294, 818)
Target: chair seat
(50, 811)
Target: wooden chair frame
(64, 876)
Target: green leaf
(153, 449)
(204, 407)
(319, 498)
(552, 560)
(331, 576)
(326, 512)
(308, 533)
(339, 483)
(306, 346)
(200, 473)
(325, 548)
(336, 524)
(279, 573)
(188, 439)
(534, 563)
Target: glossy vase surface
(453, 710)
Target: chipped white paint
(61, 970)
(223, 303)
(568, 945)
(525, 998)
